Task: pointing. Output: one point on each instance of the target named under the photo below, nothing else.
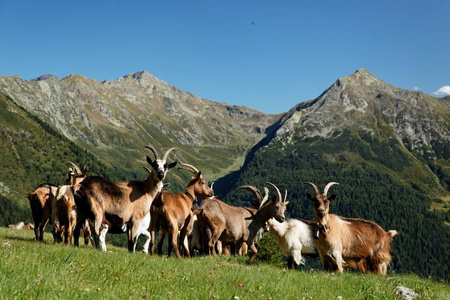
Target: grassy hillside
(40, 270)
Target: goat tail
(393, 233)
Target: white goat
(295, 237)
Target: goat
(349, 242)
(21, 226)
(220, 221)
(64, 216)
(172, 212)
(102, 201)
(142, 230)
(41, 207)
(295, 237)
(41, 200)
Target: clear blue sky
(267, 55)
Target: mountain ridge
(105, 116)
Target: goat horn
(75, 167)
(148, 170)
(153, 150)
(266, 196)
(167, 153)
(254, 191)
(190, 168)
(285, 195)
(212, 184)
(278, 191)
(327, 187)
(314, 186)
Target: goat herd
(96, 205)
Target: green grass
(43, 270)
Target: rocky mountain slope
(416, 120)
(115, 119)
(366, 119)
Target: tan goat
(41, 200)
(220, 221)
(172, 212)
(349, 242)
(64, 215)
(101, 200)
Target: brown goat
(349, 242)
(220, 221)
(172, 212)
(41, 200)
(64, 216)
(41, 207)
(101, 200)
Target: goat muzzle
(160, 175)
(280, 219)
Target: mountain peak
(44, 77)
(362, 79)
(139, 75)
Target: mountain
(33, 153)
(388, 149)
(115, 119)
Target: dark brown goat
(172, 212)
(100, 200)
(349, 242)
(220, 221)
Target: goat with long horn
(220, 221)
(349, 242)
(100, 200)
(295, 237)
(172, 212)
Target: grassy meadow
(46, 271)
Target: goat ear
(310, 196)
(149, 160)
(170, 166)
(332, 197)
(274, 199)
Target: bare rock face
(365, 103)
(117, 117)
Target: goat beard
(323, 225)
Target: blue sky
(267, 55)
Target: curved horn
(254, 191)
(153, 150)
(285, 195)
(167, 153)
(329, 184)
(212, 184)
(266, 196)
(148, 170)
(314, 186)
(75, 167)
(189, 168)
(278, 191)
